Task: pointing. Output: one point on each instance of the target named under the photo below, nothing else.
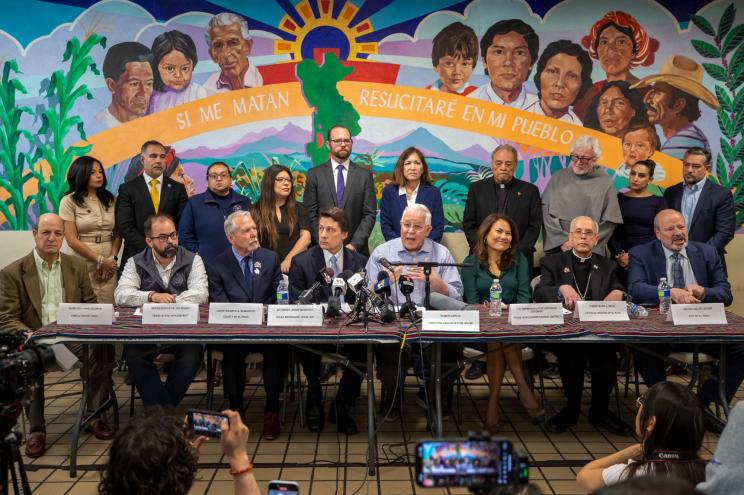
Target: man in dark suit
(147, 195)
(247, 273)
(708, 209)
(31, 289)
(580, 275)
(341, 183)
(696, 275)
(333, 228)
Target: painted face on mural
(130, 94)
(660, 104)
(509, 63)
(230, 50)
(614, 112)
(454, 72)
(560, 83)
(175, 70)
(615, 50)
(637, 145)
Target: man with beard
(230, 43)
(672, 103)
(163, 272)
(340, 182)
(129, 78)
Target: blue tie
(678, 276)
(248, 274)
(340, 186)
(334, 265)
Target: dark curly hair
(633, 96)
(572, 49)
(150, 456)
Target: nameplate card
(300, 315)
(536, 314)
(451, 321)
(236, 313)
(85, 314)
(170, 314)
(602, 310)
(699, 314)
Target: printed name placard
(85, 314)
(236, 313)
(699, 314)
(170, 314)
(451, 321)
(602, 310)
(536, 314)
(301, 315)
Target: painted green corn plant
(728, 48)
(58, 120)
(15, 207)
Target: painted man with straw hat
(672, 103)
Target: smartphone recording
(206, 423)
(465, 463)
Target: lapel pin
(519, 193)
(257, 267)
(595, 267)
(566, 270)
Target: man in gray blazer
(339, 182)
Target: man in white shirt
(230, 43)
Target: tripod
(10, 455)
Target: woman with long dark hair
(670, 425)
(496, 256)
(283, 224)
(615, 109)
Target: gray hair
(226, 19)
(666, 212)
(418, 208)
(573, 223)
(229, 224)
(505, 147)
(587, 141)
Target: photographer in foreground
(153, 456)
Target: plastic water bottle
(282, 293)
(665, 296)
(495, 306)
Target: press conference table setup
(128, 328)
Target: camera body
(19, 369)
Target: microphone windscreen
(446, 303)
(405, 282)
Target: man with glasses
(146, 195)
(582, 275)
(582, 189)
(163, 272)
(200, 228)
(341, 183)
(412, 246)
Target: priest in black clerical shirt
(569, 277)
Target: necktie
(154, 195)
(248, 276)
(334, 265)
(678, 276)
(340, 186)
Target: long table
(128, 328)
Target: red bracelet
(247, 469)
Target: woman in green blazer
(495, 255)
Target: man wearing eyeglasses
(341, 183)
(582, 189)
(200, 228)
(163, 272)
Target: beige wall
(13, 245)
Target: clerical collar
(580, 258)
(505, 185)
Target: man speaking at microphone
(333, 228)
(414, 246)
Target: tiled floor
(328, 463)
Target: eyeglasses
(341, 141)
(583, 233)
(582, 159)
(165, 237)
(215, 176)
(283, 180)
(413, 226)
(641, 400)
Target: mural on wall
(253, 87)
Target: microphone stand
(427, 266)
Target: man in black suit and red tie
(341, 183)
(147, 195)
(247, 273)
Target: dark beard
(168, 252)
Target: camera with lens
(19, 369)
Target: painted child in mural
(564, 74)
(128, 75)
(639, 143)
(454, 54)
(509, 50)
(672, 103)
(620, 44)
(173, 61)
(230, 43)
(615, 109)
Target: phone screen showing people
(206, 423)
(277, 487)
(464, 463)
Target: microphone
(338, 287)
(447, 303)
(322, 279)
(382, 287)
(384, 262)
(406, 285)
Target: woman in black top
(282, 222)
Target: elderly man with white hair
(230, 43)
(413, 246)
(583, 188)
